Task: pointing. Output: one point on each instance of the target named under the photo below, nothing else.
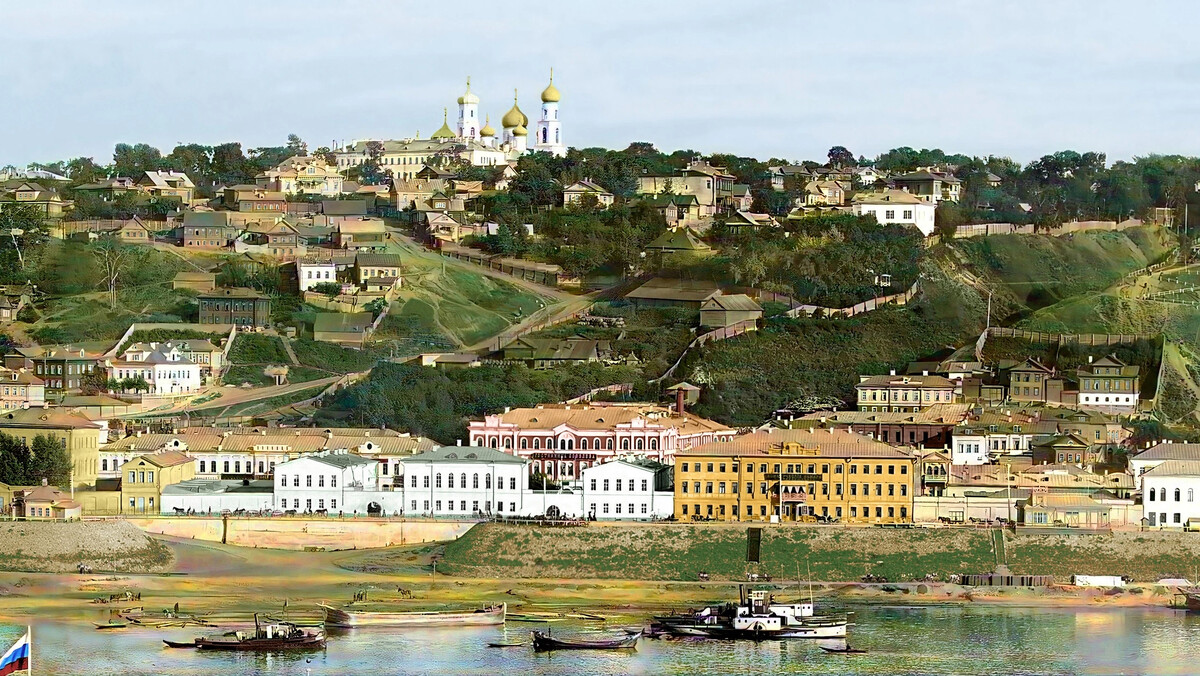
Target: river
(984, 640)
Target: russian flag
(17, 657)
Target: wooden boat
(543, 642)
(492, 615)
(844, 650)
(110, 625)
(504, 645)
(180, 644)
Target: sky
(765, 79)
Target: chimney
(892, 372)
(679, 401)
(1089, 358)
(458, 442)
(924, 373)
(45, 482)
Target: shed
(722, 311)
(349, 329)
(660, 292)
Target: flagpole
(29, 633)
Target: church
(469, 141)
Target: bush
(255, 348)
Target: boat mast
(808, 565)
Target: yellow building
(144, 477)
(796, 475)
(82, 437)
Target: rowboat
(499, 644)
(338, 617)
(180, 644)
(543, 642)
(845, 650)
(110, 625)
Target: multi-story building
(1109, 384)
(933, 186)
(199, 351)
(897, 207)
(19, 388)
(252, 198)
(81, 437)
(239, 306)
(302, 175)
(314, 271)
(144, 478)
(208, 230)
(1160, 453)
(904, 393)
(1169, 492)
(168, 184)
(333, 481)
(1033, 382)
(278, 239)
(377, 266)
(62, 368)
(365, 233)
(712, 186)
(465, 481)
(627, 490)
(796, 475)
(562, 440)
(573, 194)
(163, 368)
(30, 194)
(932, 427)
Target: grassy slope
(678, 551)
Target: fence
(506, 337)
(620, 388)
(345, 303)
(718, 334)
(1091, 339)
(531, 271)
(865, 306)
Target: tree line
(24, 465)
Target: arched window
(1176, 495)
(524, 443)
(609, 444)
(438, 481)
(552, 443)
(624, 444)
(1162, 495)
(495, 442)
(487, 480)
(475, 481)
(639, 444)
(654, 444)
(537, 443)
(508, 443)
(450, 481)
(545, 134)
(583, 444)
(464, 479)
(569, 444)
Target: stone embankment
(104, 546)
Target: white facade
(465, 481)
(1109, 402)
(620, 490)
(334, 482)
(468, 115)
(548, 132)
(311, 274)
(1171, 494)
(166, 370)
(918, 215)
(977, 447)
(206, 496)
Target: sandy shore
(231, 583)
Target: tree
(134, 160)
(14, 461)
(371, 172)
(296, 146)
(840, 158)
(326, 154)
(50, 462)
(22, 229)
(113, 257)
(84, 170)
(331, 289)
(93, 382)
(229, 165)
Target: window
(438, 505)
(308, 505)
(605, 507)
(296, 481)
(487, 480)
(450, 480)
(708, 487)
(308, 481)
(606, 484)
(512, 486)
(646, 483)
(683, 485)
(854, 469)
(463, 480)
(475, 481)
(132, 477)
(320, 481)
(618, 485)
(1177, 495)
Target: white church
(470, 140)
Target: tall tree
(50, 462)
(133, 160)
(22, 230)
(84, 170)
(840, 157)
(113, 257)
(296, 145)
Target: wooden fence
(1091, 339)
(865, 306)
(717, 334)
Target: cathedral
(472, 140)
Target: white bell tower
(548, 135)
(468, 115)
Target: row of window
(791, 468)
(1095, 385)
(308, 480)
(308, 503)
(617, 510)
(720, 486)
(719, 511)
(462, 481)
(1162, 495)
(620, 482)
(916, 395)
(141, 476)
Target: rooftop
(466, 454)
(829, 443)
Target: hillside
(679, 551)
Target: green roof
(678, 239)
(339, 322)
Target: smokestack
(679, 401)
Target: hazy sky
(782, 79)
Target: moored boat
(266, 638)
(757, 616)
(844, 650)
(339, 617)
(543, 642)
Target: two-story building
(168, 184)
(61, 368)
(897, 207)
(1109, 384)
(465, 481)
(238, 305)
(1033, 382)
(199, 351)
(334, 481)
(278, 239)
(381, 268)
(932, 186)
(1164, 451)
(362, 234)
(81, 437)
(1169, 492)
(208, 230)
(573, 194)
(28, 193)
(302, 175)
(163, 368)
(712, 186)
(627, 490)
(796, 475)
(20, 388)
(251, 198)
(145, 477)
(904, 393)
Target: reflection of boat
(110, 625)
(844, 650)
(336, 617)
(543, 642)
(266, 638)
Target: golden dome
(514, 117)
(468, 97)
(550, 93)
(445, 132)
(521, 131)
(487, 130)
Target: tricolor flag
(17, 657)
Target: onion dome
(514, 117)
(445, 132)
(520, 131)
(550, 94)
(487, 130)
(468, 97)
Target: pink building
(561, 440)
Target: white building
(312, 273)
(468, 115)
(205, 496)
(978, 444)
(1170, 494)
(897, 206)
(1158, 454)
(627, 491)
(548, 135)
(465, 481)
(164, 368)
(334, 482)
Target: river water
(980, 640)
